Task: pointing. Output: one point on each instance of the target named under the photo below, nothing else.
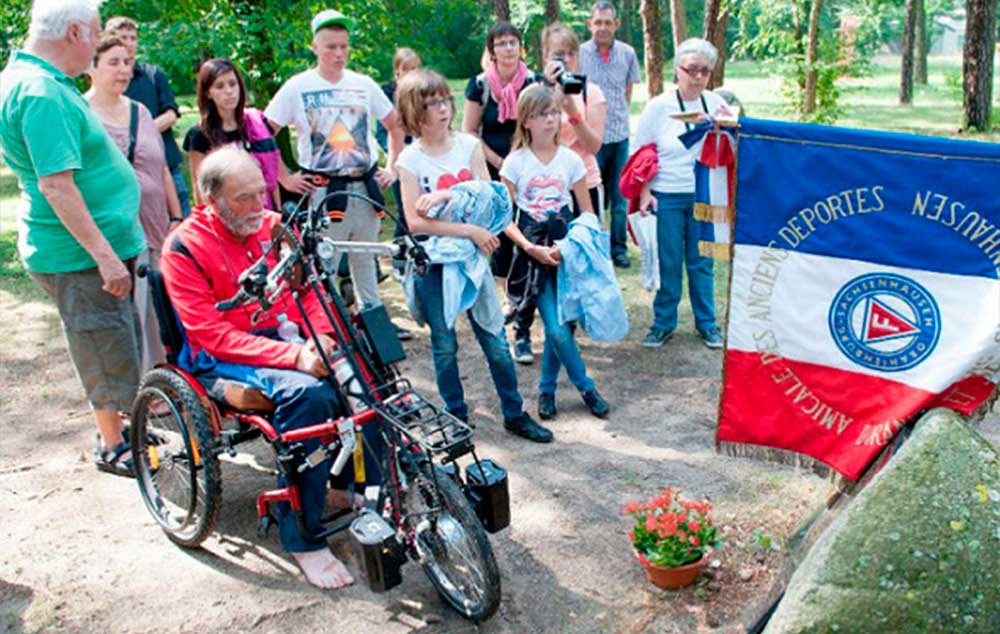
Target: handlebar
(263, 284)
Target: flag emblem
(885, 322)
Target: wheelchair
(424, 510)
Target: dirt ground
(80, 553)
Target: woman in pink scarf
(491, 110)
(491, 96)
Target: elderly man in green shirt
(79, 228)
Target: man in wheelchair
(201, 264)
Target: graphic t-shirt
(543, 189)
(333, 122)
(440, 172)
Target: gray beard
(239, 227)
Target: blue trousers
(182, 190)
(677, 246)
(560, 346)
(444, 348)
(302, 400)
(611, 159)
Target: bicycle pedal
(264, 524)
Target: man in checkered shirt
(614, 67)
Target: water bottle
(288, 330)
(349, 383)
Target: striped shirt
(621, 69)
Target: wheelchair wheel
(456, 554)
(173, 450)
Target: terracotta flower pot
(675, 577)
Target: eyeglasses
(697, 71)
(430, 104)
(546, 114)
(508, 43)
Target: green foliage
(269, 39)
(13, 26)
(10, 262)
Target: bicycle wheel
(175, 463)
(456, 554)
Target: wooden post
(920, 52)
(551, 11)
(906, 64)
(678, 21)
(977, 62)
(653, 44)
(812, 54)
(716, 21)
(502, 10)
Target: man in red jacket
(201, 264)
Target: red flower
(694, 540)
(694, 527)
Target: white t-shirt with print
(440, 172)
(676, 173)
(334, 122)
(542, 189)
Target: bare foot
(322, 569)
(337, 500)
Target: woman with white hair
(670, 194)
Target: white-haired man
(202, 260)
(79, 230)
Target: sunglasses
(697, 71)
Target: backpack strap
(133, 130)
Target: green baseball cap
(329, 17)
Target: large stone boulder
(918, 550)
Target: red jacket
(201, 264)
(640, 168)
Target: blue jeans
(611, 159)
(677, 245)
(560, 346)
(444, 348)
(302, 400)
(182, 190)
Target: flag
(864, 287)
(714, 177)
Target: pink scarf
(506, 95)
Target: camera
(572, 83)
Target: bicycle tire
(459, 528)
(170, 434)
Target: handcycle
(424, 510)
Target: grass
(868, 102)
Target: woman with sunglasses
(670, 194)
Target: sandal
(116, 461)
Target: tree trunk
(799, 8)
(653, 44)
(812, 48)
(716, 22)
(624, 32)
(502, 10)
(678, 21)
(906, 65)
(920, 50)
(551, 11)
(977, 62)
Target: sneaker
(655, 338)
(597, 405)
(547, 406)
(526, 427)
(712, 337)
(522, 352)
(403, 334)
(621, 261)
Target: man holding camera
(614, 67)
